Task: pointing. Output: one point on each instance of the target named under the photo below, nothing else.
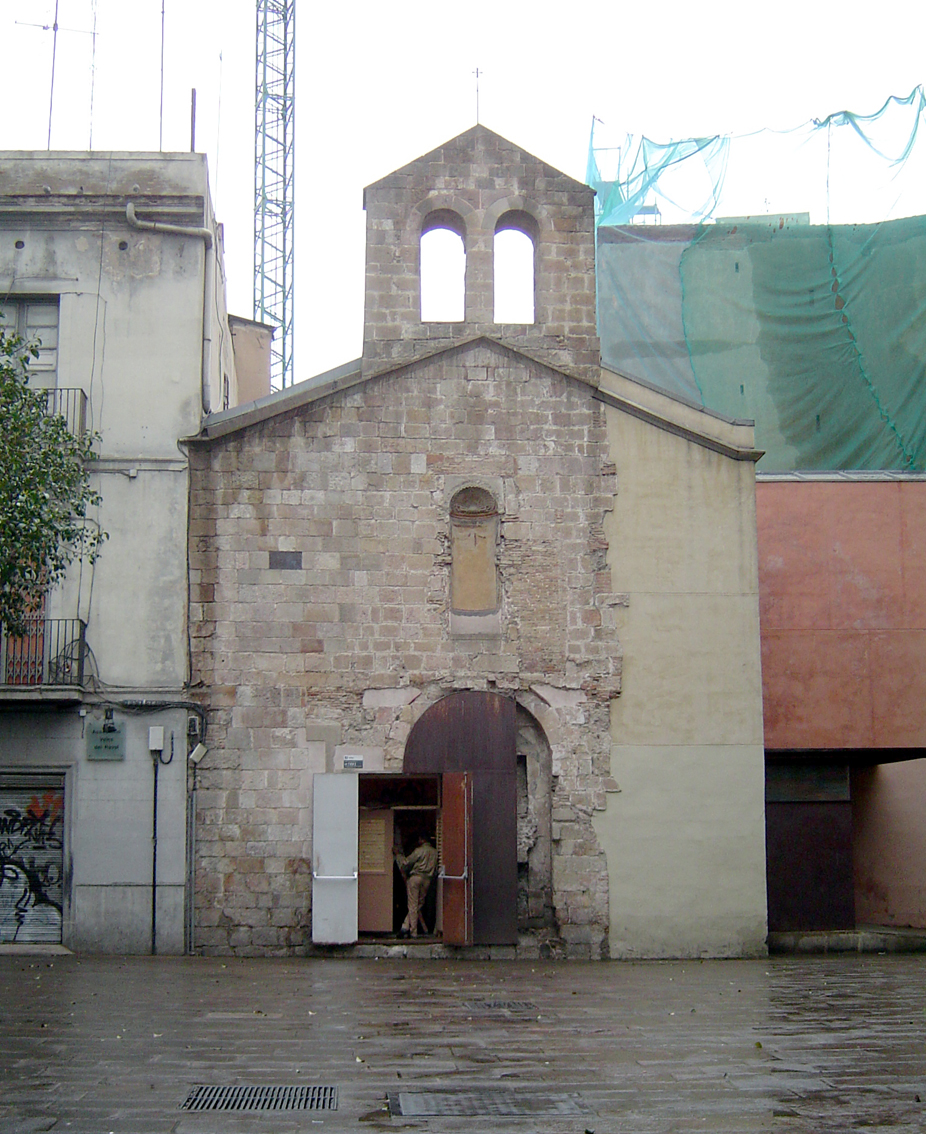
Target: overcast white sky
(380, 83)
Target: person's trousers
(417, 888)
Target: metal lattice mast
(274, 137)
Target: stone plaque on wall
(106, 741)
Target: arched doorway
(474, 734)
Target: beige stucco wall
(684, 828)
(251, 343)
(131, 337)
(131, 330)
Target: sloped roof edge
(731, 437)
(374, 368)
(475, 131)
(342, 377)
(280, 401)
(673, 396)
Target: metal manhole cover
(423, 1104)
(500, 1006)
(261, 1098)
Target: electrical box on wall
(156, 738)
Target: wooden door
(457, 854)
(476, 732)
(374, 912)
(25, 655)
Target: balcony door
(24, 655)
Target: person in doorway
(418, 870)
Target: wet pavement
(810, 1044)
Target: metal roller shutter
(31, 858)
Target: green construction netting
(817, 331)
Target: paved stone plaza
(810, 1044)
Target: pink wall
(842, 584)
(889, 837)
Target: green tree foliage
(44, 491)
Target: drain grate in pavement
(423, 1104)
(261, 1098)
(499, 1006)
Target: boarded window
(474, 532)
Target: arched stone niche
(475, 595)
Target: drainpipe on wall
(193, 759)
(189, 944)
(156, 748)
(156, 757)
(205, 234)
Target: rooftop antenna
(477, 73)
(274, 182)
(54, 28)
(161, 106)
(218, 132)
(93, 8)
(54, 52)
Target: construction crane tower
(274, 149)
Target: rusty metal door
(457, 855)
(808, 845)
(476, 732)
(809, 867)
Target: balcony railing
(51, 652)
(71, 404)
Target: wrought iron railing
(71, 404)
(52, 651)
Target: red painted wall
(842, 585)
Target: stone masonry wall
(355, 643)
(479, 177)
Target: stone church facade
(390, 558)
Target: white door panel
(334, 858)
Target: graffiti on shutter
(31, 859)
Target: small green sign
(106, 741)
